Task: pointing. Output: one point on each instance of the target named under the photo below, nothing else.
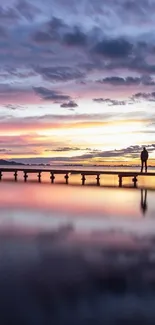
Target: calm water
(76, 255)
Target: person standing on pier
(144, 158)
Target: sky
(77, 81)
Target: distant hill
(9, 163)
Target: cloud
(14, 94)
(114, 48)
(21, 73)
(144, 96)
(56, 24)
(130, 152)
(27, 9)
(75, 38)
(3, 33)
(60, 73)
(8, 15)
(52, 31)
(110, 102)
(5, 150)
(16, 11)
(70, 104)
(51, 95)
(9, 123)
(139, 64)
(127, 81)
(63, 149)
(12, 107)
(42, 37)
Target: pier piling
(98, 180)
(39, 177)
(25, 176)
(52, 177)
(83, 179)
(15, 175)
(120, 180)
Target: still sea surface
(77, 255)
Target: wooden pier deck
(66, 172)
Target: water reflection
(74, 256)
(76, 203)
(144, 205)
(46, 281)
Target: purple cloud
(70, 104)
(51, 95)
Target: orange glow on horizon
(31, 140)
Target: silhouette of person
(144, 157)
(144, 201)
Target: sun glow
(116, 134)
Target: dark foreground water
(72, 255)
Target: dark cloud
(19, 73)
(110, 102)
(114, 48)
(139, 64)
(3, 32)
(81, 82)
(136, 97)
(138, 8)
(42, 37)
(60, 73)
(5, 151)
(14, 107)
(56, 23)
(128, 81)
(56, 27)
(8, 15)
(75, 38)
(52, 31)
(11, 107)
(147, 81)
(63, 149)
(121, 52)
(51, 95)
(144, 96)
(20, 9)
(130, 152)
(70, 104)
(27, 9)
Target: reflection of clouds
(72, 202)
(35, 221)
(59, 284)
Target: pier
(53, 172)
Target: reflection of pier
(144, 201)
(67, 173)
